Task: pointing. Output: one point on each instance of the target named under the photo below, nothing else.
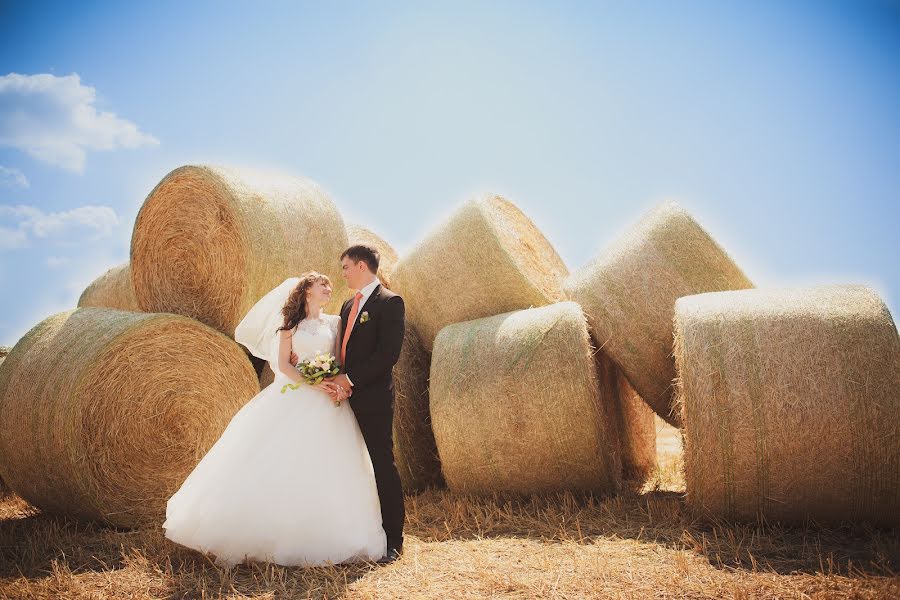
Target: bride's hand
(329, 388)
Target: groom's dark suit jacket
(373, 349)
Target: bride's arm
(284, 356)
(338, 342)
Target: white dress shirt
(366, 292)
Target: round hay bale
(791, 404)
(516, 405)
(103, 413)
(487, 258)
(635, 421)
(414, 445)
(210, 241)
(388, 257)
(629, 293)
(113, 289)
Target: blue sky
(775, 123)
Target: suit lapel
(362, 308)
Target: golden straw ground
(103, 413)
(210, 241)
(539, 547)
(791, 402)
(628, 293)
(113, 289)
(487, 258)
(516, 405)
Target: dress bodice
(315, 336)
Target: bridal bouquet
(315, 370)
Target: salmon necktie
(351, 321)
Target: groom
(372, 325)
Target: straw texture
(113, 289)
(791, 404)
(628, 293)
(637, 427)
(210, 241)
(487, 258)
(516, 405)
(103, 413)
(4, 350)
(414, 446)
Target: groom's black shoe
(392, 555)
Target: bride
(290, 480)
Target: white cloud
(53, 119)
(12, 238)
(32, 222)
(55, 262)
(10, 177)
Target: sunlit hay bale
(791, 404)
(210, 241)
(628, 293)
(113, 289)
(103, 413)
(414, 447)
(487, 258)
(637, 427)
(516, 405)
(387, 255)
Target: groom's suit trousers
(376, 430)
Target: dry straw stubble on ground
(628, 293)
(487, 258)
(210, 241)
(791, 401)
(103, 413)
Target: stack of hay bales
(357, 234)
(210, 241)
(629, 293)
(103, 413)
(488, 258)
(791, 404)
(517, 406)
(415, 449)
(113, 289)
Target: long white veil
(258, 330)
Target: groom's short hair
(366, 254)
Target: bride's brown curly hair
(294, 309)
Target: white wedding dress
(289, 481)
